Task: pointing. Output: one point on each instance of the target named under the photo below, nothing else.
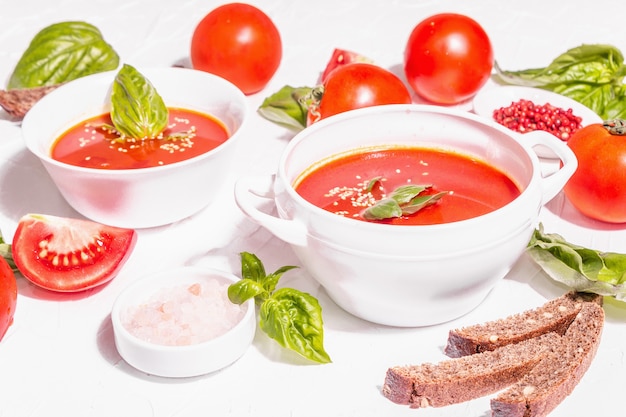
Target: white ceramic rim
(490, 99)
(230, 141)
(121, 303)
(529, 152)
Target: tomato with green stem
(598, 186)
(69, 255)
(240, 43)
(358, 85)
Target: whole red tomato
(358, 85)
(8, 296)
(598, 187)
(239, 43)
(448, 58)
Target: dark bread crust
(539, 371)
(554, 316)
(461, 379)
(556, 376)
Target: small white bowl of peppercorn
(526, 109)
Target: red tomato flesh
(89, 145)
(8, 296)
(68, 255)
(340, 184)
(341, 57)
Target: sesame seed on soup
(92, 143)
(341, 184)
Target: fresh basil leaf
(405, 193)
(590, 74)
(291, 317)
(372, 183)
(137, 109)
(294, 319)
(580, 268)
(421, 201)
(288, 107)
(386, 208)
(63, 52)
(252, 267)
(270, 281)
(244, 289)
(404, 200)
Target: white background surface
(59, 357)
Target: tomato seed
(525, 116)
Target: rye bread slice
(554, 316)
(461, 379)
(556, 376)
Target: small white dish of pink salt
(180, 323)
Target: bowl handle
(250, 192)
(553, 183)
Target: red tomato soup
(91, 144)
(473, 187)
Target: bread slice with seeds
(543, 388)
(461, 379)
(554, 316)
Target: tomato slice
(68, 255)
(8, 296)
(342, 57)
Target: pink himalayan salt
(184, 315)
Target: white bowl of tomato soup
(132, 186)
(424, 267)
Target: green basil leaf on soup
(420, 202)
(137, 109)
(63, 52)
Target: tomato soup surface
(340, 185)
(92, 144)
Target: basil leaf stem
(580, 268)
(291, 317)
(63, 52)
(137, 109)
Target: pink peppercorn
(525, 116)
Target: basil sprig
(291, 317)
(580, 268)
(137, 109)
(63, 52)
(404, 200)
(288, 107)
(590, 74)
